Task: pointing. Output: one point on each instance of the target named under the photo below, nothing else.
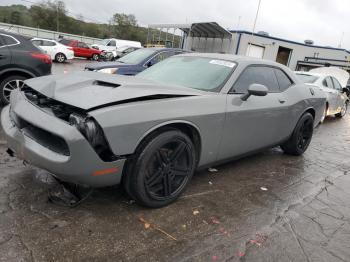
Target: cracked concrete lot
(266, 207)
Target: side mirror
(255, 90)
(345, 90)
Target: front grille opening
(44, 138)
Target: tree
(124, 26)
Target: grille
(41, 136)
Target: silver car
(337, 100)
(152, 131)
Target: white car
(112, 45)
(337, 100)
(58, 52)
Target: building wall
(239, 45)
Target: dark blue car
(134, 62)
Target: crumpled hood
(101, 65)
(89, 90)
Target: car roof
(309, 73)
(234, 58)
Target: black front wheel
(161, 169)
(95, 57)
(301, 137)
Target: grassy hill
(44, 16)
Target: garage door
(255, 51)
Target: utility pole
(253, 31)
(57, 17)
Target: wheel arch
(310, 110)
(188, 128)
(16, 71)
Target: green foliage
(44, 15)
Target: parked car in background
(81, 49)
(152, 131)
(112, 44)
(58, 52)
(124, 50)
(134, 62)
(337, 100)
(19, 60)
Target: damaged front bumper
(55, 145)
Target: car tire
(95, 57)
(160, 169)
(343, 110)
(9, 84)
(301, 137)
(60, 58)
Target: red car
(81, 49)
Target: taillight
(42, 57)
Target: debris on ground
(195, 212)
(240, 254)
(263, 188)
(258, 240)
(214, 258)
(148, 225)
(213, 170)
(210, 183)
(214, 220)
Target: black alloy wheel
(300, 139)
(162, 168)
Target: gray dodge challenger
(151, 132)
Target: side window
(112, 43)
(75, 44)
(336, 83)
(37, 42)
(327, 82)
(161, 57)
(256, 75)
(9, 40)
(48, 43)
(82, 45)
(283, 80)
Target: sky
(323, 21)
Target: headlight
(93, 133)
(108, 70)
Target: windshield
(307, 79)
(105, 42)
(194, 72)
(137, 56)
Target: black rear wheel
(301, 137)
(162, 167)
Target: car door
(84, 49)
(5, 52)
(258, 122)
(328, 88)
(341, 99)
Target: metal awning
(208, 30)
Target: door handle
(282, 101)
(2, 56)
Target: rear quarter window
(283, 80)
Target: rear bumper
(81, 166)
